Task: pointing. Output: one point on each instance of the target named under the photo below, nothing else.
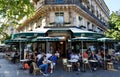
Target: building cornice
(42, 11)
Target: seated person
(15, 57)
(48, 55)
(74, 56)
(57, 54)
(108, 57)
(53, 60)
(84, 60)
(43, 64)
(93, 64)
(85, 57)
(100, 59)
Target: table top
(107, 59)
(72, 60)
(93, 61)
(24, 60)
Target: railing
(76, 2)
(59, 24)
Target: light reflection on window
(59, 1)
(59, 17)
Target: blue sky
(113, 5)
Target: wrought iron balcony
(75, 2)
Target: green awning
(48, 39)
(83, 39)
(95, 35)
(27, 34)
(105, 39)
(58, 30)
(16, 40)
(84, 33)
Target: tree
(114, 23)
(12, 11)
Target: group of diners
(92, 58)
(47, 61)
(14, 55)
(44, 61)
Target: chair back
(85, 60)
(64, 60)
(34, 65)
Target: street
(8, 69)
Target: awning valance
(83, 39)
(58, 30)
(16, 40)
(27, 35)
(105, 39)
(84, 33)
(35, 33)
(48, 39)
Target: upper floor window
(88, 25)
(80, 20)
(99, 30)
(74, 20)
(59, 1)
(93, 27)
(97, 13)
(59, 17)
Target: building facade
(66, 19)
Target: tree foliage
(114, 23)
(12, 11)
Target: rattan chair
(66, 65)
(36, 69)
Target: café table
(23, 61)
(93, 61)
(73, 62)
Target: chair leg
(107, 66)
(34, 72)
(40, 71)
(69, 69)
(112, 67)
(89, 67)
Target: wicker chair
(66, 65)
(110, 66)
(36, 69)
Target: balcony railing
(75, 2)
(59, 24)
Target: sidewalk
(8, 69)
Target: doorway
(59, 46)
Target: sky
(113, 5)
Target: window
(88, 25)
(80, 20)
(97, 13)
(59, 1)
(93, 27)
(74, 20)
(99, 30)
(59, 17)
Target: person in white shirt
(39, 56)
(48, 55)
(57, 54)
(100, 59)
(44, 65)
(74, 56)
(76, 64)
